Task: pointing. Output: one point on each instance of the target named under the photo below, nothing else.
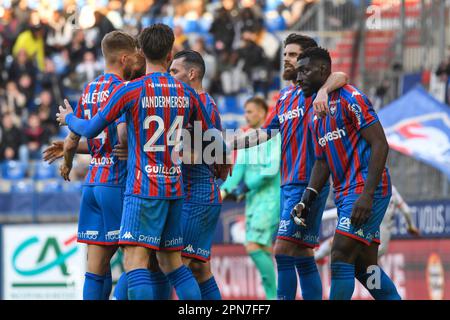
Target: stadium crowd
(49, 49)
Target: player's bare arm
(56, 150)
(121, 150)
(70, 149)
(249, 139)
(319, 176)
(335, 81)
(362, 208)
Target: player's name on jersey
(95, 97)
(165, 102)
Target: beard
(289, 74)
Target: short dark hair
(303, 41)
(316, 54)
(116, 41)
(259, 101)
(156, 41)
(192, 58)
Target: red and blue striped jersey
(200, 185)
(157, 108)
(105, 168)
(337, 138)
(291, 116)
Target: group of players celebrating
(163, 211)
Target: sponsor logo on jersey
(149, 239)
(331, 136)
(103, 161)
(284, 225)
(356, 109)
(360, 233)
(89, 235)
(292, 114)
(174, 242)
(113, 235)
(162, 170)
(189, 248)
(344, 223)
(128, 236)
(202, 252)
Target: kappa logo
(284, 225)
(128, 235)
(355, 93)
(344, 223)
(297, 235)
(284, 96)
(360, 233)
(189, 248)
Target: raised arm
(335, 81)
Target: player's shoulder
(287, 91)
(350, 93)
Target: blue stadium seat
(43, 170)
(191, 26)
(204, 25)
(49, 185)
(73, 186)
(272, 5)
(274, 22)
(169, 21)
(13, 170)
(23, 186)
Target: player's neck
(197, 87)
(152, 68)
(113, 70)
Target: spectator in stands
(255, 64)
(77, 49)
(35, 137)
(60, 32)
(250, 16)
(292, 10)
(21, 65)
(181, 40)
(10, 137)
(210, 62)
(32, 41)
(14, 103)
(222, 27)
(47, 111)
(26, 86)
(89, 68)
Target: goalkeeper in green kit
(256, 176)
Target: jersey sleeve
(198, 112)
(215, 117)
(272, 122)
(360, 111)
(121, 100)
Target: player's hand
(64, 171)
(320, 104)
(221, 171)
(414, 231)
(54, 152)
(121, 151)
(63, 112)
(299, 213)
(362, 209)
